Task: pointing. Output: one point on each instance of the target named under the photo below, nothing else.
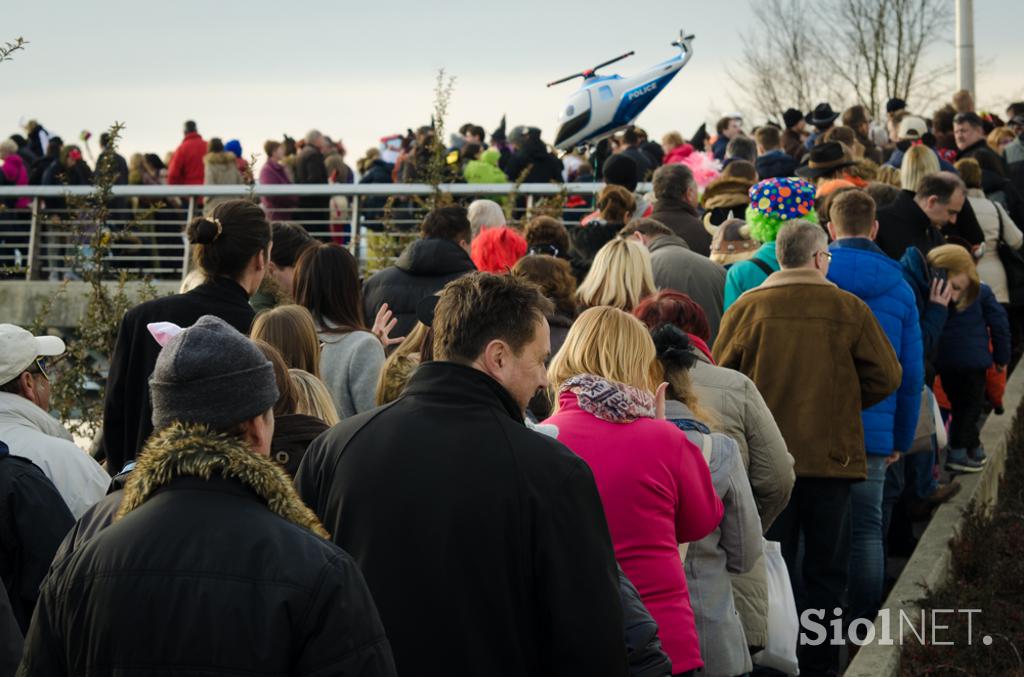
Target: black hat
(620, 170)
(824, 158)
(499, 133)
(791, 117)
(894, 104)
(821, 116)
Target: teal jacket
(746, 275)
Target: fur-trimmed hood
(181, 450)
(727, 192)
(222, 158)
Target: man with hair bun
(819, 357)
(466, 523)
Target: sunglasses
(42, 365)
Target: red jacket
(187, 162)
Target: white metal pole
(965, 45)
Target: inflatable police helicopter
(604, 104)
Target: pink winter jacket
(656, 491)
(15, 172)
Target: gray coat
(1014, 151)
(676, 267)
(733, 548)
(744, 416)
(350, 365)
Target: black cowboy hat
(821, 116)
(825, 158)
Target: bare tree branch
(874, 50)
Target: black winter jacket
(127, 411)
(903, 224)
(776, 164)
(203, 577)
(543, 166)
(422, 270)
(646, 657)
(33, 520)
(310, 168)
(483, 542)
(587, 241)
(11, 640)
(292, 436)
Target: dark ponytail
(673, 347)
(226, 240)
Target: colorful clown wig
(773, 202)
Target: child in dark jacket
(964, 355)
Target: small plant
(438, 171)
(388, 244)
(9, 48)
(107, 296)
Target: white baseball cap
(19, 348)
(912, 128)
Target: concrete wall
(21, 301)
(929, 566)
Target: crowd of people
(559, 447)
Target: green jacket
(747, 275)
(485, 170)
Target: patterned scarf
(608, 400)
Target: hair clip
(215, 221)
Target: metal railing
(43, 239)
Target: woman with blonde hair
(312, 397)
(964, 356)
(402, 362)
(621, 276)
(919, 162)
(290, 329)
(999, 138)
(654, 484)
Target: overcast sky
(359, 71)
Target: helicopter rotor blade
(611, 61)
(565, 79)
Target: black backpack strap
(765, 268)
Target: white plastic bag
(940, 428)
(783, 621)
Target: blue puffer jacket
(861, 268)
(964, 342)
(747, 275)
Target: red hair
(496, 250)
(673, 307)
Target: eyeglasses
(827, 254)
